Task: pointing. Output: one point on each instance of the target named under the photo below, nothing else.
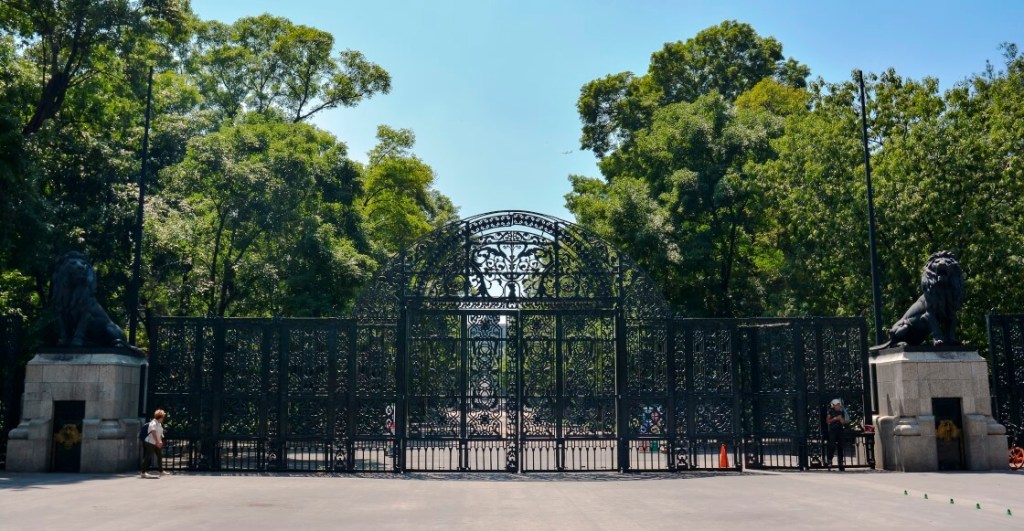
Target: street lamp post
(876, 290)
(133, 293)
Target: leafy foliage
(741, 187)
(250, 210)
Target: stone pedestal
(108, 382)
(907, 436)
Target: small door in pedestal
(949, 440)
(67, 435)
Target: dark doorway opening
(949, 433)
(67, 435)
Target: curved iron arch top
(511, 259)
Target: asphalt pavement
(789, 500)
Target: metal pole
(133, 296)
(876, 291)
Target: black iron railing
(12, 379)
(1006, 352)
(506, 391)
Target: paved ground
(810, 500)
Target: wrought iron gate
(506, 342)
(12, 380)
(511, 390)
(1006, 349)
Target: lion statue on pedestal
(81, 321)
(935, 311)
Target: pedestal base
(908, 436)
(108, 383)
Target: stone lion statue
(81, 321)
(934, 312)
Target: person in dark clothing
(836, 419)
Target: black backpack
(144, 431)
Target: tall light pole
(133, 293)
(876, 290)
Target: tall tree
(676, 147)
(946, 177)
(398, 200)
(253, 222)
(69, 40)
(268, 63)
(729, 59)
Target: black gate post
(669, 414)
(689, 396)
(331, 408)
(463, 391)
(197, 397)
(800, 391)
(278, 444)
(559, 393)
(263, 431)
(351, 405)
(12, 379)
(216, 393)
(748, 400)
(520, 345)
(399, 443)
(621, 372)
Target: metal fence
(1006, 350)
(12, 380)
(504, 390)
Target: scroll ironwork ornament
(935, 311)
(511, 259)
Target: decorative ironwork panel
(434, 376)
(588, 349)
(491, 376)
(308, 379)
(713, 359)
(589, 417)
(462, 377)
(12, 379)
(647, 363)
(706, 393)
(243, 395)
(181, 375)
(538, 341)
(649, 400)
(1006, 350)
(510, 257)
(841, 357)
(253, 394)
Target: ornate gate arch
(509, 341)
(505, 341)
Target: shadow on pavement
(9, 481)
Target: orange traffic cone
(723, 457)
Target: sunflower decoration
(947, 431)
(68, 436)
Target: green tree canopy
(268, 63)
(255, 221)
(676, 149)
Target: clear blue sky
(490, 87)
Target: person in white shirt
(154, 444)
